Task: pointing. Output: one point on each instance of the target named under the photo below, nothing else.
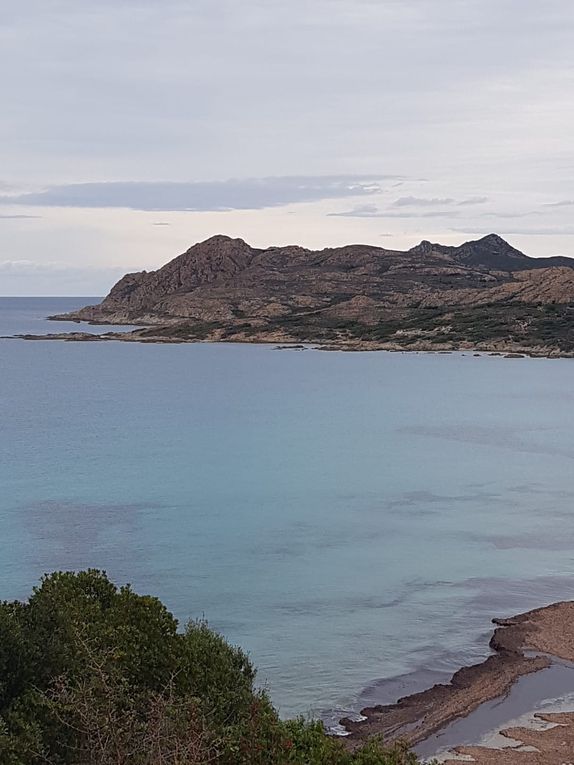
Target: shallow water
(550, 690)
(346, 517)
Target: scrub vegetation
(93, 674)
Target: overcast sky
(131, 129)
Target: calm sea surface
(353, 520)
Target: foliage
(92, 674)
(530, 325)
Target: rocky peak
(221, 240)
(491, 252)
(424, 248)
(495, 243)
(291, 292)
(494, 240)
(216, 259)
(218, 253)
(216, 246)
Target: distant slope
(432, 294)
(493, 253)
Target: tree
(93, 674)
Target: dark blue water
(346, 517)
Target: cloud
(17, 266)
(563, 203)
(423, 214)
(422, 202)
(519, 230)
(359, 211)
(12, 188)
(234, 194)
(114, 90)
(437, 201)
(24, 266)
(472, 201)
(19, 217)
(503, 215)
(372, 211)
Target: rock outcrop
(224, 289)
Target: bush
(92, 674)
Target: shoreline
(545, 738)
(510, 351)
(522, 645)
(549, 691)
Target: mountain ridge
(224, 289)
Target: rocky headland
(483, 295)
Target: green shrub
(92, 674)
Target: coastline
(545, 739)
(507, 350)
(522, 645)
(512, 369)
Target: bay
(352, 520)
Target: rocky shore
(482, 295)
(551, 745)
(522, 645)
(507, 349)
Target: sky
(132, 129)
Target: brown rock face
(224, 289)
(218, 259)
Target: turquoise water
(353, 520)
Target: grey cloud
(115, 90)
(19, 217)
(7, 187)
(563, 203)
(234, 194)
(372, 211)
(50, 267)
(438, 201)
(527, 214)
(422, 202)
(359, 211)
(125, 91)
(472, 201)
(519, 230)
(425, 214)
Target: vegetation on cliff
(92, 674)
(483, 294)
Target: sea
(353, 520)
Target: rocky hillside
(484, 292)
